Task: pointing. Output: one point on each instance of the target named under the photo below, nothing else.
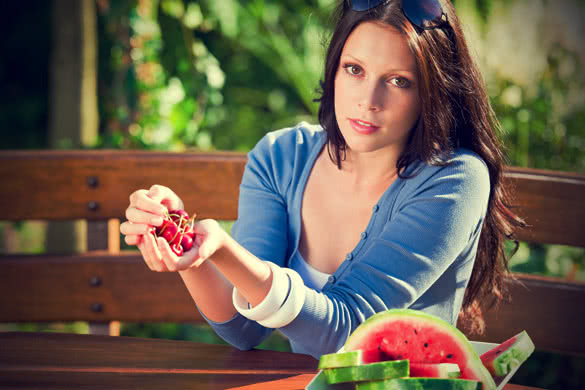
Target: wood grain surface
(96, 286)
(552, 312)
(67, 361)
(62, 185)
(58, 288)
(551, 202)
(96, 184)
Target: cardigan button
(349, 257)
(376, 208)
(331, 279)
(364, 235)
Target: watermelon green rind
(342, 359)
(470, 364)
(420, 384)
(368, 372)
(519, 348)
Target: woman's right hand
(147, 209)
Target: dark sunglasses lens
(363, 5)
(422, 12)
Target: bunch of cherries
(177, 230)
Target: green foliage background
(183, 75)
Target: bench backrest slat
(56, 185)
(95, 287)
(552, 203)
(552, 312)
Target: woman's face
(376, 94)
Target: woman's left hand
(209, 238)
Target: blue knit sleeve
(262, 221)
(434, 220)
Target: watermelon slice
(367, 372)
(398, 334)
(343, 359)
(509, 355)
(420, 384)
(428, 370)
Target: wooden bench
(106, 284)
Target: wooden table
(71, 361)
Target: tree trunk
(73, 114)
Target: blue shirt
(416, 252)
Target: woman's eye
(400, 82)
(352, 69)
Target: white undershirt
(312, 278)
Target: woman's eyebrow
(360, 62)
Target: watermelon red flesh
(421, 338)
(508, 355)
(488, 357)
(427, 370)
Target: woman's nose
(371, 98)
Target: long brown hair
(455, 112)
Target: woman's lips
(363, 127)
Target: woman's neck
(364, 171)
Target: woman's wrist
(223, 247)
(250, 275)
(227, 248)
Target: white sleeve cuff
(292, 306)
(273, 300)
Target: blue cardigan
(416, 252)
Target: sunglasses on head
(423, 14)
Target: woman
(394, 201)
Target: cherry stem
(181, 227)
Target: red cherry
(187, 242)
(177, 214)
(170, 233)
(188, 229)
(177, 249)
(161, 228)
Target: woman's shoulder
(289, 138)
(461, 181)
(463, 170)
(284, 146)
(460, 160)
(281, 155)
(468, 161)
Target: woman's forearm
(250, 275)
(210, 290)
(211, 284)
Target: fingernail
(156, 221)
